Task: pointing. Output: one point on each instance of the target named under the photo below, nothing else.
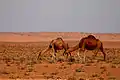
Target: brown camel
(88, 43)
(56, 44)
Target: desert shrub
(79, 70)
(71, 59)
(60, 59)
(112, 78)
(71, 78)
(95, 75)
(82, 79)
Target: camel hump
(58, 42)
(91, 37)
(59, 38)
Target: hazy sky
(60, 15)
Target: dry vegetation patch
(19, 60)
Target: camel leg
(84, 58)
(42, 52)
(65, 52)
(54, 53)
(101, 48)
(53, 50)
(95, 53)
(69, 53)
(78, 53)
(66, 47)
(38, 55)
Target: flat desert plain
(19, 52)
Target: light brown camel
(56, 44)
(88, 43)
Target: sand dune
(46, 36)
(109, 40)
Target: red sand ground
(15, 69)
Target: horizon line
(64, 32)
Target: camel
(56, 44)
(88, 43)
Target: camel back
(90, 40)
(57, 42)
(91, 37)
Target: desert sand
(19, 51)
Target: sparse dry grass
(19, 60)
